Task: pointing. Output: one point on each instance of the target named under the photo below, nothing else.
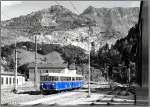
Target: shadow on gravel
(6, 104)
(101, 90)
(38, 92)
(31, 92)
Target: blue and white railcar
(60, 81)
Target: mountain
(61, 26)
(117, 18)
(26, 57)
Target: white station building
(8, 79)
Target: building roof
(10, 73)
(48, 66)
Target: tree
(12, 64)
(23, 69)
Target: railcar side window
(63, 78)
(78, 78)
(41, 78)
(73, 78)
(48, 78)
(56, 78)
(44, 78)
(67, 78)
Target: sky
(11, 9)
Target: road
(73, 97)
(79, 97)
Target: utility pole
(36, 72)
(15, 81)
(15, 90)
(89, 85)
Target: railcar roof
(60, 74)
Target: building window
(13, 80)
(46, 71)
(6, 80)
(2, 81)
(10, 80)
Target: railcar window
(56, 79)
(73, 79)
(53, 79)
(44, 78)
(63, 78)
(78, 78)
(41, 78)
(48, 78)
